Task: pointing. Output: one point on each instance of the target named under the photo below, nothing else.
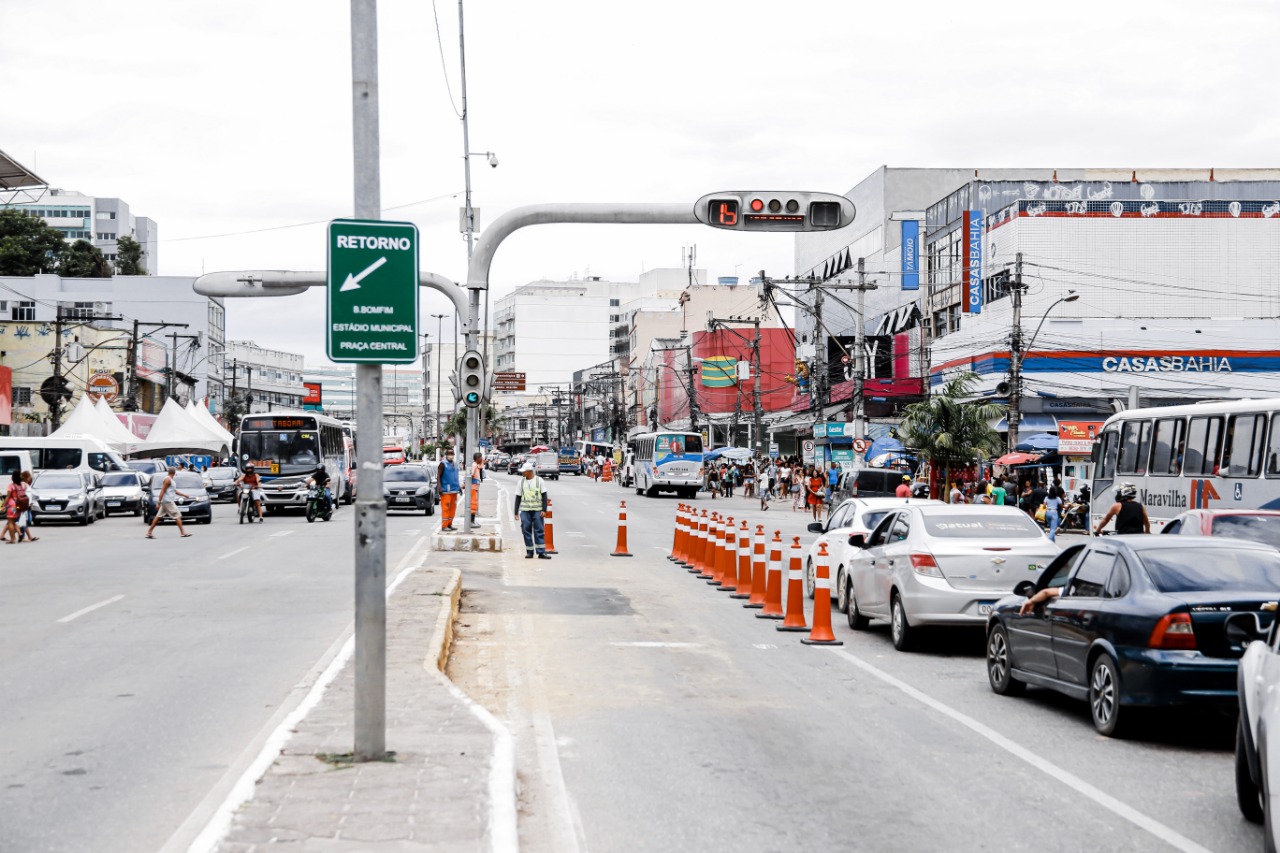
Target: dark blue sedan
(1136, 621)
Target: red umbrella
(541, 448)
(1017, 458)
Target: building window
(79, 311)
(21, 396)
(24, 312)
(106, 214)
(106, 235)
(524, 422)
(614, 303)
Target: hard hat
(907, 477)
(528, 466)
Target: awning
(1030, 422)
(1017, 458)
(14, 175)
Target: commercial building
(101, 221)
(168, 342)
(265, 379)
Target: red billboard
(6, 396)
(313, 395)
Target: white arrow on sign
(353, 281)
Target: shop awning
(1030, 422)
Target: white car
(942, 564)
(1256, 763)
(122, 491)
(852, 516)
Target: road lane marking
(233, 553)
(654, 644)
(280, 533)
(1124, 810)
(90, 609)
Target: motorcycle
(318, 503)
(1076, 516)
(246, 504)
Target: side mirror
(858, 540)
(1026, 589)
(817, 527)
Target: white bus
(292, 444)
(668, 462)
(1213, 455)
(85, 454)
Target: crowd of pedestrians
(786, 480)
(1037, 497)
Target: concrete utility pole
(860, 356)
(55, 408)
(370, 515)
(756, 405)
(1015, 359)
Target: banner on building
(719, 371)
(1076, 438)
(971, 263)
(314, 395)
(910, 254)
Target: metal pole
(757, 407)
(860, 357)
(55, 410)
(1015, 359)
(370, 521)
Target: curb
(442, 637)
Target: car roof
(880, 503)
(1220, 513)
(932, 507)
(1151, 541)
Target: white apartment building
(101, 221)
(272, 379)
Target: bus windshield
(281, 451)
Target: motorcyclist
(320, 479)
(251, 479)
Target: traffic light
(471, 378)
(740, 210)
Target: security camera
(493, 160)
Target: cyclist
(251, 479)
(320, 479)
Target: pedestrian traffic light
(471, 378)
(740, 210)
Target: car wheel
(84, 519)
(808, 579)
(1000, 664)
(857, 621)
(900, 629)
(1248, 793)
(1104, 695)
(842, 591)
(431, 507)
(137, 512)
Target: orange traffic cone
(621, 549)
(822, 635)
(708, 564)
(675, 536)
(773, 586)
(744, 563)
(758, 581)
(683, 553)
(549, 530)
(699, 543)
(728, 577)
(795, 592)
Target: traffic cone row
(733, 560)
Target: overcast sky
(229, 123)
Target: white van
(11, 461)
(86, 454)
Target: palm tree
(951, 430)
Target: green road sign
(373, 289)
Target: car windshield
(119, 479)
(145, 467)
(58, 481)
(406, 474)
(181, 480)
(1255, 528)
(872, 518)
(976, 526)
(1190, 569)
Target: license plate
(54, 507)
(113, 503)
(985, 609)
(183, 508)
(404, 500)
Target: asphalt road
(136, 675)
(651, 712)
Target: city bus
(289, 443)
(1212, 455)
(667, 462)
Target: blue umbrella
(1038, 441)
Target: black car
(1143, 620)
(220, 483)
(194, 507)
(410, 487)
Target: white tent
(86, 420)
(202, 416)
(177, 431)
(117, 433)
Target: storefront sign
(1166, 364)
(910, 254)
(1076, 438)
(103, 385)
(972, 262)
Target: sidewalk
(450, 785)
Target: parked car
(1140, 621)
(65, 496)
(123, 491)
(149, 467)
(220, 483)
(194, 507)
(1256, 762)
(938, 564)
(870, 483)
(1256, 525)
(409, 487)
(855, 516)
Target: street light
(1016, 358)
(439, 347)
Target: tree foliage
(82, 259)
(28, 246)
(129, 257)
(949, 428)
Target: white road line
(233, 553)
(1165, 833)
(90, 608)
(653, 644)
(280, 533)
